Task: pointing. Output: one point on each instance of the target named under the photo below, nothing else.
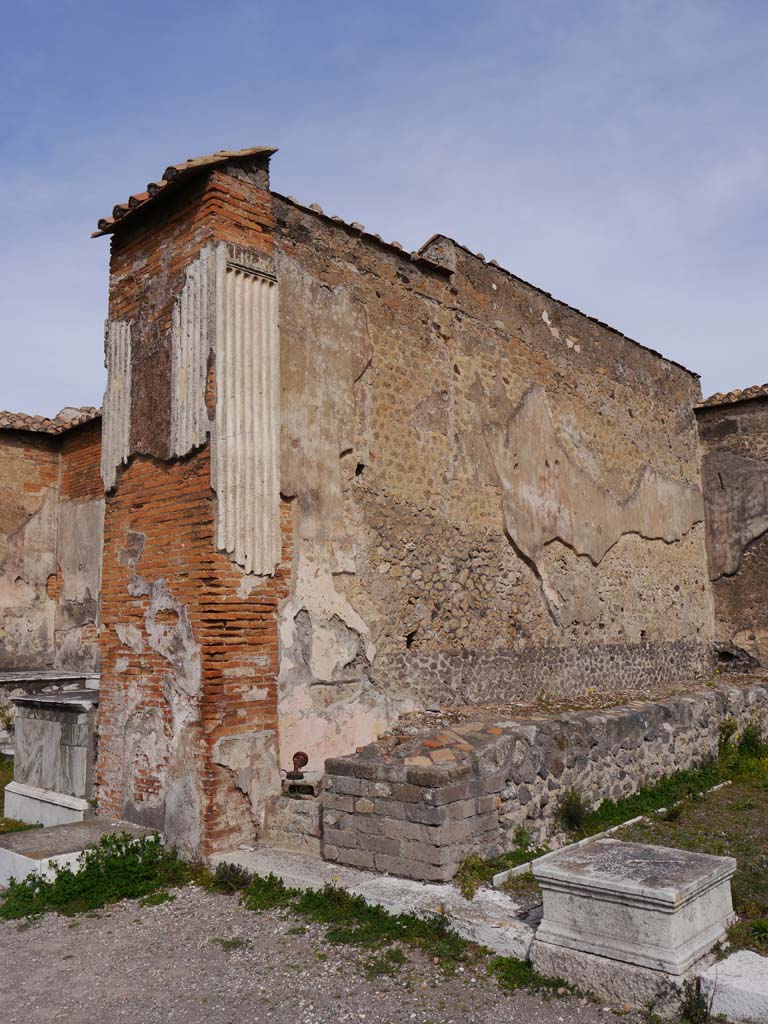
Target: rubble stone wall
(421, 821)
(497, 497)
(734, 440)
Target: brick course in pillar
(169, 505)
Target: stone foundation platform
(417, 808)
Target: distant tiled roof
(173, 175)
(61, 422)
(757, 391)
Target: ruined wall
(197, 540)
(80, 538)
(51, 513)
(29, 473)
(188, 713)
(735, 476)
(496, 497)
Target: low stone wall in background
(419, 808)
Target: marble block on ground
(650, 906)
(37, 806)
(42, 850)
(737, 988)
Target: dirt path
(164, 964)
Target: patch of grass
(268, 892)
(685, 785)
(118, 867)
(349, 920)
(476, 871)
(513, 974)
(229, 945)
(155, 899)
(729, 822)
(522, 885)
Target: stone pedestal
(54, 758)
(626, 917)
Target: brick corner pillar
(196, 537)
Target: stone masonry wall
(419, 811)
(734, 439)
(497, 497)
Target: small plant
(522, 838)
(513, 974)
(572, 811)
(385, 965)
(476, 871)
(726, 732)
(229, 878)
(694, 1008)
(119, 867)
(751, 742)
(268, 893)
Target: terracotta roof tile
(738, 395)
(172, 175)
(61, 422)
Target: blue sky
(613, 153)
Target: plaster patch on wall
(737, 508)
(192, 335)
(162, 741)
(27, 562)
(80, 541)
(549, 494)
(116, 419)
(326, 702)
(245, 466)
(251, 757)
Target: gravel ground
(164, 964)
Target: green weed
(155, 899)
(513, 974)
(118, 867)
(475, 871)
(229, 945)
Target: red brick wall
(169, 503)
(197, 663)
(81, 463)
